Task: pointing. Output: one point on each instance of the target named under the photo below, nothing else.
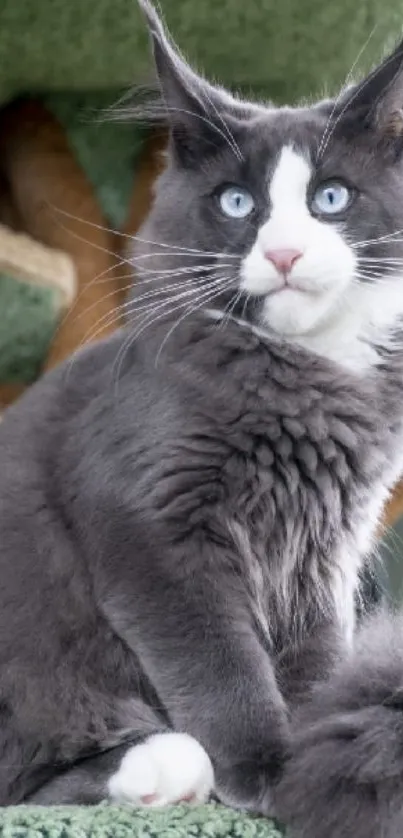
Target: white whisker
(156, 275)
(103, 276)
(245, 306)
(148, 319)
(129, 236)
(387, 237)
(185, 270)
(229, 308)
(323, 142)
(187, 293)
(173, 252)
(231, 139)
(352, 98)
(130, 307)
(147, 322)
(188, 311)
(389, 260)
(147, 112)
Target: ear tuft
(380, 95)
(177, 79)
(393, 126)
(193, 107)
(153, 20)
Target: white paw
(166, 768)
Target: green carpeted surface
(284, 50)
(124, 822)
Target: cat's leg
(345, 771)
(194, 634)
(164, 769)
(310, 661)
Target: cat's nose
(283, 259)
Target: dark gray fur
(344, 776)
(172, 533)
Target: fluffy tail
(344, 778)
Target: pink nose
(283, 260)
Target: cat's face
(313, 252)
(300, 262)
(293, 216)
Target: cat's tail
(344, 778)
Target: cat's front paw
(248, 783)
(248, 789)
(167, 768)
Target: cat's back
(39, 560)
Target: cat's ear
(197, 112)
(377, 101)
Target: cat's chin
(292, 312)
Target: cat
(187, 506)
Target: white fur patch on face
(167, 768)
(318, 280)
(323, 306)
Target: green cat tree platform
(123, 822)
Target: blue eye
(236, 202)
(331, 198)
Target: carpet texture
(123, 822)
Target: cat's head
(291, 217)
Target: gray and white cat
(187, 508)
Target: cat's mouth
(286, 286)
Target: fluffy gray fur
(182, 508)
(345, 771)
